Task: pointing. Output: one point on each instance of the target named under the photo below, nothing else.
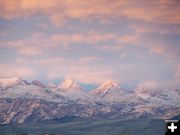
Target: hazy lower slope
(79, 126)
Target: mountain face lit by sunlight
(22, 101)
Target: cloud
(10, 70)
(100, 41)
(60, 11)
(81, 73)
(25, 47)
(155, 85)
(154, 29)
(147, 85)
(89, 59)
(129, 39)
(4, 33)
(29, 51)
(39, 44)
(173, 84)
(35, 45)
(50, 61)
(111, 48)
(91, 77)
(82, 69)
(74, 56)
(177, 71)
(158, 49)
(89, 37)
(170, 50)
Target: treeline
(42, 134)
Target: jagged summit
(105, 87)
(71, 89)
(69, 84)
(69, 99)
(109, 85)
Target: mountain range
(22, 101)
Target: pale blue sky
(125, 42)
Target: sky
(135, 42)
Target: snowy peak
(71, 89)
(7, 82)
(69, 84)
(109, 85)
(105, 87)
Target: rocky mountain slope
(21, 101)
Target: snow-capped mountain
(158, 96)
(69, 84)
(104, 88)
(71, 89)
(21, 101)
(18, 88)
(111, 91)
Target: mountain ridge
(40, 102)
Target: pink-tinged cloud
(89, 59)
(177, 71)
(10, 70)
(159, 49)
(171, 51)
(81, 73)
(90, 37)
(29, 51)
(50, 61)
(129, 39)
(60, 11)
(35, 45)
(39, 43)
